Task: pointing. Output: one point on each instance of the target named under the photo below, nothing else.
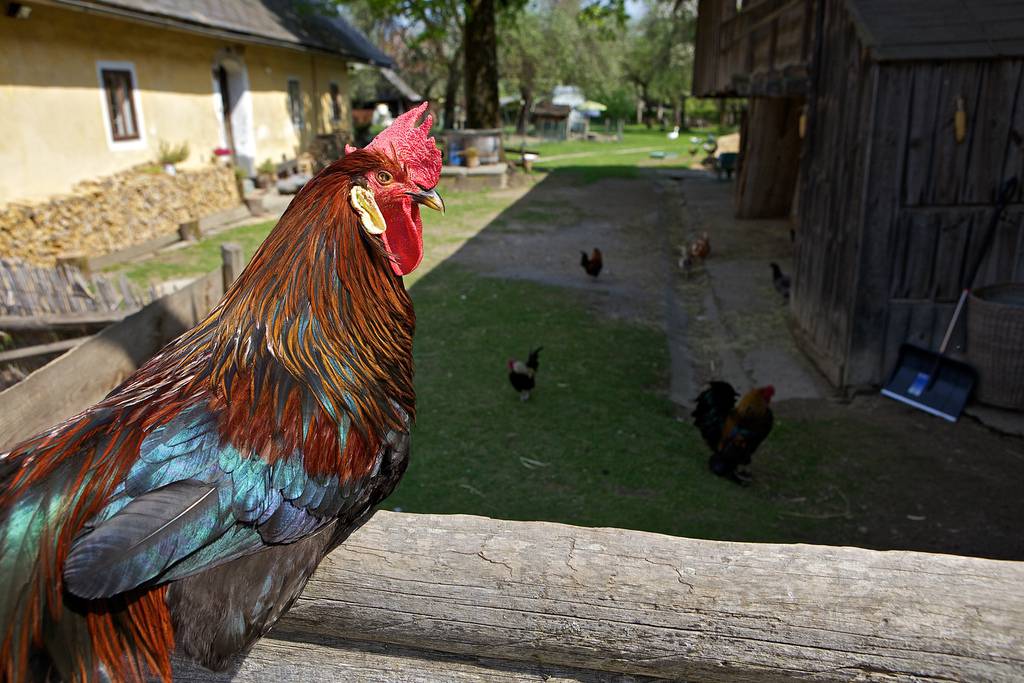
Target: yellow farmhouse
(89, 88)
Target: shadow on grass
(598, 443)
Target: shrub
(171, 154)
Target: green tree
(558, 42)
(424, 38)
(534, 46)
(659, 56)
(472, 26)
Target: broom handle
(1007, 190)
(952, 322)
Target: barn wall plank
(832, 173)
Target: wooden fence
(459, 598)
(27, 290)
(84, 375)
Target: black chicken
(780, 281)
(523, 376)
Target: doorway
(233, 103)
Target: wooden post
(232, 262)
(189, 231)
(770, 159)
(79, 261)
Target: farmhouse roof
(308, 25)
(547, 109)
(940, 29)
(404, 89)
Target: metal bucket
(995, 343)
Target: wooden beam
(41, 349)
(61, 321)
(625, 603)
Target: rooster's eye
(383, 177)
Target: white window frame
(121, 145)
(302, 113)
(337, 85)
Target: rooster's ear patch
(366, 208)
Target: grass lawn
(194, 260)
(594, 160)
(599, 444)
(460, 222)
(596, 445)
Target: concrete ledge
(215, 220)
(486, 175)
(1002, 420)
(128, 253)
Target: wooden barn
(894, 186)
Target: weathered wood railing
(84, 375)
(454, 598)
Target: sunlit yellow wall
(269, 72)
(51, 104)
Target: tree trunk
(524, 115)
(481, 77)
(451, 89)
(646, 102)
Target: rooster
(188, 508)
(733, 430)
(593, 263)
(523, 376)
(780, 281)
(701, 247)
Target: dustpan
(940, 388)
(930, 381)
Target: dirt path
(887, 477)
(541, 236)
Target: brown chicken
(593, 263)
(701, 248)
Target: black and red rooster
(188, 509)
(733, 430)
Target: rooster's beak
(428, 198)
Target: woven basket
(995, 343)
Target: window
(295, 103)
(118, 93)
(335, 103)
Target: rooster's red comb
(412, 146)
